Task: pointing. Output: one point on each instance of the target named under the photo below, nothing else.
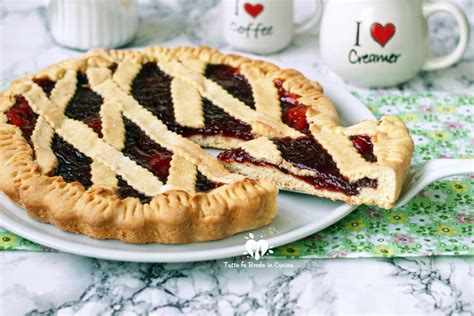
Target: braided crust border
(172, 217)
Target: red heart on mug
(253, 10)
(382, 34)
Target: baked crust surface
(393, 148)
(176, 213)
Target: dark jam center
(365, 147)
(232, 81)
(72, 164)
(306, 153)
(152, 89)
(113, 67)
(21, 115)
(124, 190)
(148, 154)
(293, 112)
(85, 105)
(144, 151)
(203, 184)
(46, 84)
(218, 122)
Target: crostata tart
(109, 145)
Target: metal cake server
(425, 173)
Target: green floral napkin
(439, 221)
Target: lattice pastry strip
(182, 174)
(85, 140)
(187, 104)
(41, 139)
(124, 75)
(263, 80)
(113, 131)
(215, 93)
(158, 131)
(43, 133)
(264, 92)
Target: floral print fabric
(439, 221)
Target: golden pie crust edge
(171, 217)
(174, 216)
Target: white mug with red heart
(263, 26)
(381, 43)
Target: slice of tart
(363, 164)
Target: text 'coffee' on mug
(263, 26)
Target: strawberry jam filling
(151, 156)
(365, 147)
(85, 105)
(148, 154)
(113, 67)
(72, 164)
(152, 89)
(306, 153)
(46, 84)
(293, 112)
(218, 122)
(124, 190)
(21, 115)
(203, 184)
(145, 152)
(232, 81)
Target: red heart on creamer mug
(382, 34)
(253, 10)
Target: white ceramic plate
(298, 216)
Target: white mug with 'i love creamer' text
(380, 43)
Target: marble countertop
(49, 283)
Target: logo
(256, 248)
(381, 35)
